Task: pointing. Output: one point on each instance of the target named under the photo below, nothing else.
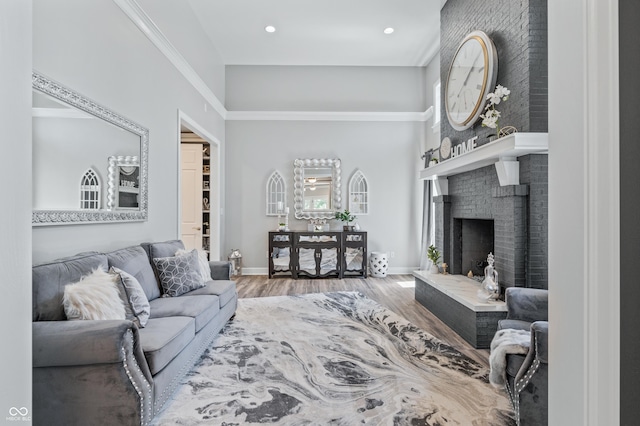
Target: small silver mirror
(317, 193)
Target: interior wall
(432, 131)
(388, 153)
(325, 88)
(180, 25)
(385, 152)
(15, 226)
(95, 49)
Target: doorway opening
(199, 194)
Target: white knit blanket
(507, 341)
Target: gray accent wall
(629, 14)
(519, 31)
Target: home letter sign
(464, 147)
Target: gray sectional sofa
(112, 372)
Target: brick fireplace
(505, 201)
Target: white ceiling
(322, 32)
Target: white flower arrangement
(491, 115)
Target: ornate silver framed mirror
(73, 134)
(317, 183)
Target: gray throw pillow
(179, 274)
(205, 269)
(136, 304)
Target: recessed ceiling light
(270, 29)
(388, 30)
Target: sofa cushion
(135, 300)
(164, 338)
(202, 308)
(94, 297)
(162, 249)
(134, 260)
(224, 289)
(48, 281)
(178, 274)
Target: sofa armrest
(220, 269)
(527, 304)
(532, 381)
(540, 338)
(538, 350)
(73, 343)
(84, 370)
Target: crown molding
(328, 116)
(427, 54)
(139, 17)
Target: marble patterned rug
(332, 359)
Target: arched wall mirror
(71, 134)
(276, 194)
(316, 193)
(358, 194)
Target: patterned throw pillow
(179, 274)
(94, 297)
(136, 304)
(205, 269)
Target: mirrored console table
(318, 254)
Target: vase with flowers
(492, 115)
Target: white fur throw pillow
(205, 269)
(94, 297)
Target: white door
(191, 179)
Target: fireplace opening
(474, 240)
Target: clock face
(471, 77)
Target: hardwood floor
(386, 291)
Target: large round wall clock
(471, 77)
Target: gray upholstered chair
(527, 375)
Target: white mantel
(503, 153)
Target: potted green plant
(434, 256)
(347, 217)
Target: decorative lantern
(235, 257)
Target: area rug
(332, 359)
